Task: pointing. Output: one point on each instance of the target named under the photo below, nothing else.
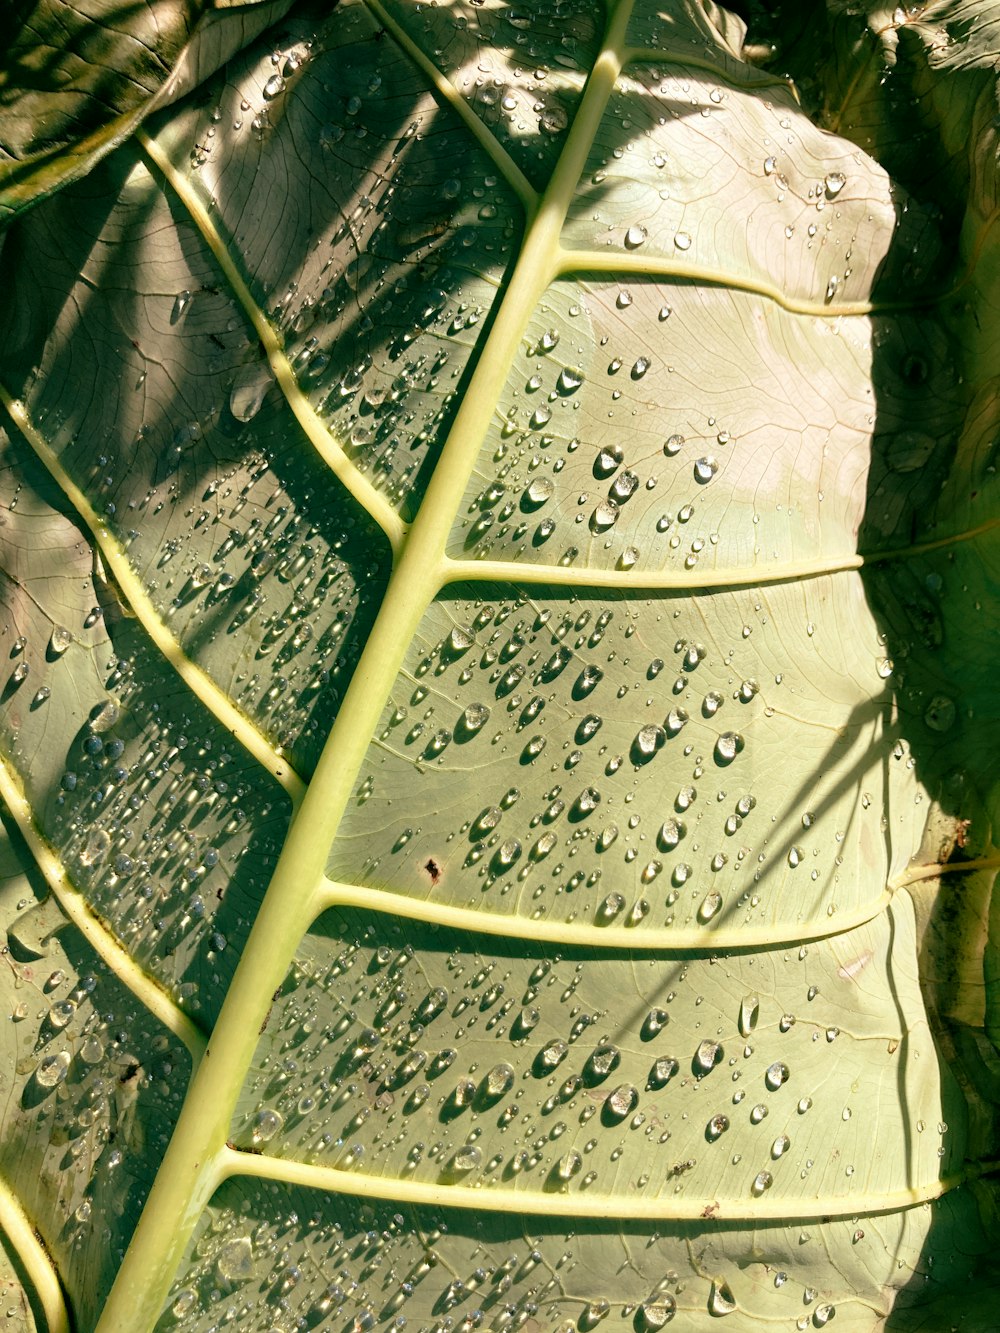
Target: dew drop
(234, 1262)
(52, 1069)
(604, 516)
(474, 718)
(656, 1313)
(621, 1102)
(749, 1013)
(776, 1074)
(720, 1299)
(662, 1072)
(727, 747)
(59, 640)
(709, 907)
(762, 1181)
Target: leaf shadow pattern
(936, 602)
(427, 243)
(93, 1084)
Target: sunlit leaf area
(499, 632)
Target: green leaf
(76, 83)
(499, 558)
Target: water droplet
(656, 1313)
(834, 183)
(603, 1061)
(62, 1013)
(552, 1055)
(97, 845)
(682, 240)
(621, 1102)
(648, 740)
(716, 1127)
(762, 1181)
(775, 1075)
(940, 713)
(604, 516)
(234, 1262)
(266, 1124)
(181, 302)
(663, 1071)
(569, 1165)
(709, 907)
(706, 1057)
(624, 487)
(705, 469)
(570, 379)
(749, 1014)
(506, 854)
(52, 1069)
(498, 1082)
(634, 237)
(727, 747)
(553, 120)
(59, 640)
(274, 86)
(721, 1300)
(474, 718)
(673, 445)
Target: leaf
(77, 84)
(499, 561)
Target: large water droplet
(59, 640)
(621, 1102)
(52, 1069)
(749, 1013)
(721, 1300)
(234, 1262)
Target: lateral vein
(89, 924)
(370, 499)
(194, 677)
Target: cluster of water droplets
(94, 1086)
(581, 473)
(381, 307)
(622, 783)
(265, 1254)
(521, 68)
(686, 152)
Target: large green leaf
(499, 583)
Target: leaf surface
(498, 584)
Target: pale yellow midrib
(198, 681)
(196, 1158)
